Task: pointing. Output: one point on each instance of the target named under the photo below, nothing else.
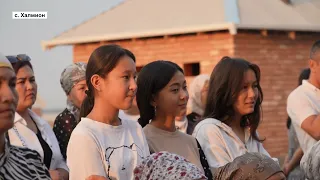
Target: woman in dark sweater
(74, 85)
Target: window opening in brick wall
(139, 68)
(191, 69)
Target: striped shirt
(21, 163)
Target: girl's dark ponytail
(147, 115)
(87, 104)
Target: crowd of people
(119, 124)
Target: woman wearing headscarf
(250, 166)
(15, 162)
(29, 129)
(310, 162)
(165, 165)
(73, 83)
(197, 100)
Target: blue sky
(24, 36)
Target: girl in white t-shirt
(102, 146)
(232, 112)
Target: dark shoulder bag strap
(204, 162)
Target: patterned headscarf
(164, 165)
(4, 62)
(310, 162)
(196, 86)
(250, 166)
(70, 76)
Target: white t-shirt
(100, 149)
(302, 103)
(221, 145)
(124, 115)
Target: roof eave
(46, 45)
(314, 28)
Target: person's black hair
(305, 74)
(314, 49)
(152, 79)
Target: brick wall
(206, 49)
(203, 48)
(279, 58)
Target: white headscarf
(4, 62)
(182, 125)
(196, 86)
